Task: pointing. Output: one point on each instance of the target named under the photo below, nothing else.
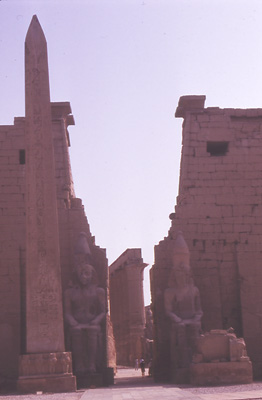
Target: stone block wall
(219, 211)
(12, 242)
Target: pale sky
(123, 64)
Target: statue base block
(221, 373)
(103, 379)
(89, 381)
(46, 372)
(47, 384)
(180, 375)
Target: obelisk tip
(36, 66)
(35, 30)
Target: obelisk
(44, 313)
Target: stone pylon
(45, 358)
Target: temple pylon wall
(219, 211)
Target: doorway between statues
(126, 376)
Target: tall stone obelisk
(43, 282)
(44, 314)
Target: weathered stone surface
(54, 384)
(221, 373)
(220, 346)
(192, 103)
(45, 364)
(47, 372)
(214, 346)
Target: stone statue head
(180, 276)
(84, 271)
(85, 274)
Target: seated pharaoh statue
(84, 305)
(183, 308)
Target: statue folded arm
(101, 300)
(69, 318)
(169, 299)
(198, 309)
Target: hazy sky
(123, 64)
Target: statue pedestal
(89, 381)
(180, 376)
(105, 378)
(217, 373)
(46, 372)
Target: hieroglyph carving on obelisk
(44, 316)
